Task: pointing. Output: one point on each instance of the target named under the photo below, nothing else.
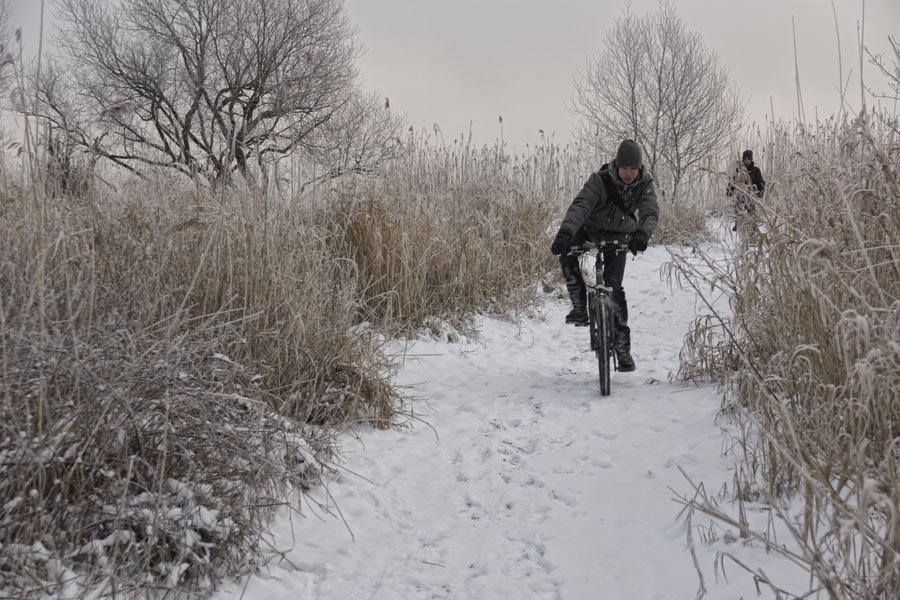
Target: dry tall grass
(177, 360)
(810, 349)
(169, 360)
(451, 230)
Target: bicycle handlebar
(616, 245)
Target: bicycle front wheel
(592, 320)
(603, 318)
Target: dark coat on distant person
(741, 173)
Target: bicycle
(601, 310)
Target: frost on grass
(807, 348)
(127, 465)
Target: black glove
(638, 242)
(561, 244)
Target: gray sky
(453, 62)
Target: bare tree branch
(202, 86)
(890, 69)
(6, 55)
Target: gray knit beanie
(629, 154)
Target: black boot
(578, 315)
(626, 363)
(576, 288)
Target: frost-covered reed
(809, 347)
(177, 359)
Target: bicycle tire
(603, 318)
(611, 329)
(592, 321)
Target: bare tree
(202, 86)
(657, 82)
(362, 136)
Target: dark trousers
(613, 273)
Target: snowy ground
(525, 483)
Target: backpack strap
(612, 193)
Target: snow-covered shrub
(449, 230)
(135, 460)
(174, 364)
(810, 348)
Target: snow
(518, 480)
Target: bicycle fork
(602, 293)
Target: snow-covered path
(525, 483)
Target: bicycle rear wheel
(602, 316)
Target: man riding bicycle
(617, 202)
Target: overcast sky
(456, 62)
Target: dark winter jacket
(756, 180)
(593, 210)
